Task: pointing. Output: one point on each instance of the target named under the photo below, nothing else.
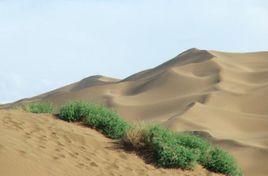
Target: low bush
(222, 162)
(179, 150)
(74, 111)
(201, 146)
(171, 156)
(99, 117)
(39, 107)
(167, 149)
(106, 121)
(135, 138)
(161, 143)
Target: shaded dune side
(222, 94)
(32, 145)
(236, 115)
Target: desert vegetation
(165, 148)
(74, 111)
(178, 150)
(39, 107)
(220, 161)
(99, 117)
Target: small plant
(222, 162)
(167, 149)
(98, 117)
(74, 111)
(161, 145)
(135, 138)
(179, 150)
(172, 156)
(201, 146)
(39, 108)
(106, 121)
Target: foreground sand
(221, 95)
(40, 145)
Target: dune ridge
(217, 94)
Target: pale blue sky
(47, 44)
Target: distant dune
(223, 96)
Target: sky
(48, 44)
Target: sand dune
(40, 145)
(222, 95)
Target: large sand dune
(223, 96)
(40, 145)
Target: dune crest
(223, 95)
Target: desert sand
(222, 96)
(41, 145)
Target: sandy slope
(222, 95)
(40, 145)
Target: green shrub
(167, 149)
(179, 150)
(74, 111)
(201, 146)
(222, 162)
(106, 121)
(172, 156)
(162, 145)
(39, 107)
(98, 117)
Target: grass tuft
(220, 161)
(106, 121)
(39, 107)
(135, 137)
(179, 150)
(99, 117)
(74, 111)
(161, 144)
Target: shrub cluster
(39, 107)
(170, 149)
(220, 161)
(106, 121)
(74, 111)
(162, 145)
(99, 117)
(166, 148)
